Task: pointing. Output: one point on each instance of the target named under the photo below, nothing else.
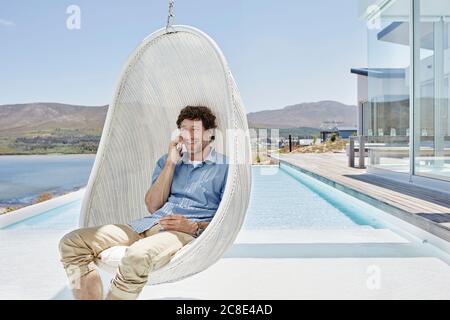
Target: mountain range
(311, 114)
(22, 118)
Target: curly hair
(198, 113)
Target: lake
(23, 178)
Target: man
(185, 193)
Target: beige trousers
(147, 251)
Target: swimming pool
(284, 198)
(320, 241)
(281, 199)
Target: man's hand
(174, 155)
(176, 222)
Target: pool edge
(418, 221)
(13, 217)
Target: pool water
(65, 217)
(281, 198)
(285, 198)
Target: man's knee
(136, 261)
(70, 242)
(67, 240)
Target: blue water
(282, 199)
(65, 217)
(22, 178)
(286, 199)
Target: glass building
(403, 94)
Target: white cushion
(109, 259)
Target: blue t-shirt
(196, 191)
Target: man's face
(192, 132)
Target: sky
(280, 52)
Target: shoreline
(35, 178)
(33, 199)
(46, 154)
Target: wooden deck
(425, 208)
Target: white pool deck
(362, 263)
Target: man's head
(196, 124)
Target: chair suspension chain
(170, 15)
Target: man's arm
(159, 192)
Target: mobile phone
(181, 149)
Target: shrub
(333, 137)
(10, 209)
(43, 197)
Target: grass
(51, 141)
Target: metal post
(439, 77)
(362, 152)
(290, 143)
(414, 90)
(351, 152)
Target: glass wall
(431, 108)
(386, 114)
(408, 54)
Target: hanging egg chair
(172, 68)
